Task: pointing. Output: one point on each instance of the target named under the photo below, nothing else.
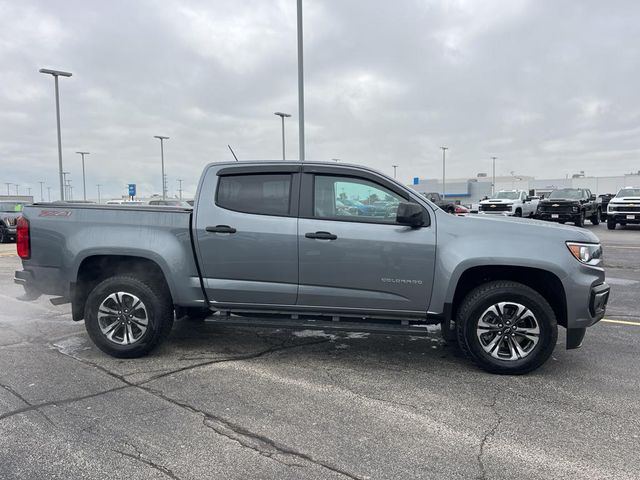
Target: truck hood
(498, 201)
(504, 227)
(635, 200)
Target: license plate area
(555, 215)
(631, 217)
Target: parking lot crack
(138, 456)
(63, 401)
(261, 444)
(489, 434)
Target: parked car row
(565, 205)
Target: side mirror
(527, 199)
(593, 197)
(410, 214)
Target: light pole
(282, 116)
(164, 186)
(56, 74)
(394, 170)
(84, 184)
(49, 193)
(180, 187)
(41, 193)
(8, 185)
(29, 191)
(65, 184)
(300, 85)
(444, 149)
(17, 185)
(493, 182)
(98, 185)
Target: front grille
(558, 209)
(625, 208)
(10, 222)
(495, 207)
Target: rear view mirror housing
(410, 214)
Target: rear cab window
(259, 194)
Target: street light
(493, 183)
(49, 194)
(65, 184)
(41, 193)
(8, 185)
(17, 185)
(394, 170)
(180, 187)
(282, 116)
(300, 84)
(56, 74)
(444, 149)
(164, 185)
(98, 185)
(84, 185)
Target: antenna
(232, 152)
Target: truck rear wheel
(579, 221)
(595, 220)
(506, 327)
(126, 317)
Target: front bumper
(579, 318)
(557, 217)
(622, 217)
(508, 213)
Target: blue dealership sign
(416, 180)
(132, 189)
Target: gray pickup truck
(267, 246)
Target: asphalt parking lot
(227, 403)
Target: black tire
(611, 223)
(518, 213)
(579, 221)
(158, 309)
(595, 220)
(483, 297)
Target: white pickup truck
(515, 203)
(624, 208)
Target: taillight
(23, 242)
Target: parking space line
(621, 322)
(629, 247)
(8, 254)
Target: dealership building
(471, 190)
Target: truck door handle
(221, 229)
(321, 235)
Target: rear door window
(260, 194)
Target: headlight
(575, 209)
(587, 253)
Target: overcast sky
(549, 87)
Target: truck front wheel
(611, 223)
(595, 219)
(506, 327)
(127, 317)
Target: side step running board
(371, 327)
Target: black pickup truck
(570, 205)
(436, 198)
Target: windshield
(11, 207)
(568, 193)
(629, 192)
(508, 195)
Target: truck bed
(63, 236)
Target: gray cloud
(548, 87)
